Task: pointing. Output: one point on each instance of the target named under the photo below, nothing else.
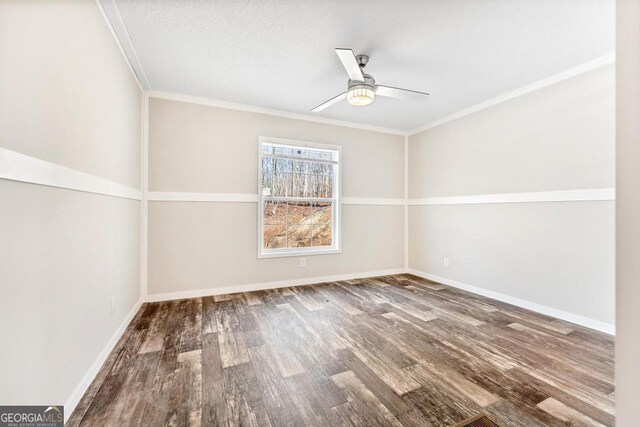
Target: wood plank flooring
(388, 351)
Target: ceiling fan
(362, 88)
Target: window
(299, 209)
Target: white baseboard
(539, 308)
(89, 376)
(268, 285)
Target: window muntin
(298, 198)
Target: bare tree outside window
(298, 196)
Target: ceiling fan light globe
(360, 96)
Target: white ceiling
(279, 54)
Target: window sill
(288, 253)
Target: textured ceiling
(279, 53)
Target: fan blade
(350, 64)
(330, 102)
(395, 92)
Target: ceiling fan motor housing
(368, 82)
(361, 93)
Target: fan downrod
(362, 60)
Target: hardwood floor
(394, 350)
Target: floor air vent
(480, 420)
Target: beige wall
(557, 254)
(628, 213)
(203, 245)
(198, 148)
(68, 97)
(64, 254)
(558, 138)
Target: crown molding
(540, 84)
(112, 18)
(271, 112)
(111, 15)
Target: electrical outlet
(303, 261)
(445, 262)
(112, 305)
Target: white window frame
(336, 203)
